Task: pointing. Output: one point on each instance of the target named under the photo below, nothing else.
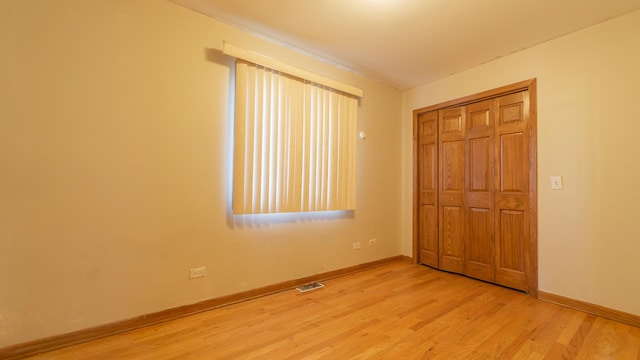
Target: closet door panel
(510, 255)
(512, 190)
(479, 250)
(428, 185)
(479, 165)
(452, 171)
(479, 240)
(511, 246)
(512, 170)
(451, 124)
(429, 235)
(451, 245)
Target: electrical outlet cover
(197, 272)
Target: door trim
(531, 263)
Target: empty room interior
(465, 185)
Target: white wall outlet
(556, 183)
(372, 242)
(357, 245)
(197, 272)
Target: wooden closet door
(512, 190)
(428, 185)
(451, 217)
(479, 249)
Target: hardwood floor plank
(396, 311)
(577, 341)
(607, 340)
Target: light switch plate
(556, 183)
(197, 272)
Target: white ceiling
(406, 43)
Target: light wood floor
(397, 311)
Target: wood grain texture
(531, 260)
(451, 174)
(428, 183)
(505, 119)
(484, 95)
(415, 218)
(512, 147)
(395, 311)
(479, 244)
(602, 311)
(80, 336)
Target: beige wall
(115, 155)
(588, 83)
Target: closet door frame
(531, 249)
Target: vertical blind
(294, 144)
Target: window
(294, 143)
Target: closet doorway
(475, 197)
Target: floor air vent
(310, 286)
